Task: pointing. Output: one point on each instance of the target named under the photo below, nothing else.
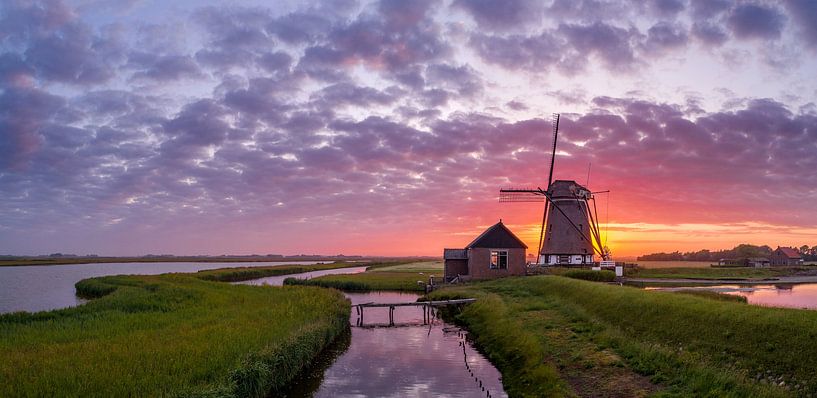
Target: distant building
(497, 252)
(786, 256)
(732, 262)
(758, 262)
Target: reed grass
(168, 335)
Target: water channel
(410, 359)
(407, 360)
(802, 296)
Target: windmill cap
(566, 189)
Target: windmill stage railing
(516, 195)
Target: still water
(788, 296)
(410, 359)
(47, 287)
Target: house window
(564, 259)
(499, 259)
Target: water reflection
(780, 295)
(410, 360)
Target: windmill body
(568, 232)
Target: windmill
(570, 232)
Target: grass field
(367, 281)
(435, 267)
(716, 273)
(606, 340)
(246, 273)
(169, 335)
(713, 295)
(675, 264)
(400, 277)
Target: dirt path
(590, 370)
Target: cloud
(754, 21)
(804, 13)
(663, 36)
(386, 116)
(24, 112)
(497, 14)
(667, 8)
(164, 68)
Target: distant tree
(804, 249)
(741, 251)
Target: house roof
(498, 236)
(455, 254)
(789, 252)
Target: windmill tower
(570, 233)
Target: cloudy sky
(387, 127)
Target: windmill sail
(569, 232)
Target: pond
(782, 295)
(410, 359)
(48, 287)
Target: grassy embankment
(547, 332)
(172, 334)
(402, 277)
(713, 295)
(715, 273)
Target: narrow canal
(409, 359)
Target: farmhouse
(497, 252)
(785, 256)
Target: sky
(388, 127)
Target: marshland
(232, 332)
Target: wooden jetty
(427, 308)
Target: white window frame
(499, 254)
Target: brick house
(785, 256)
(495, 253)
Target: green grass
(434, 267)
(512, 348)
(367, 281)
(714, 273)
(713, 295)
(675, 264)
(169, 335)
(602, 338)
(590, 275)
(246, 273)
